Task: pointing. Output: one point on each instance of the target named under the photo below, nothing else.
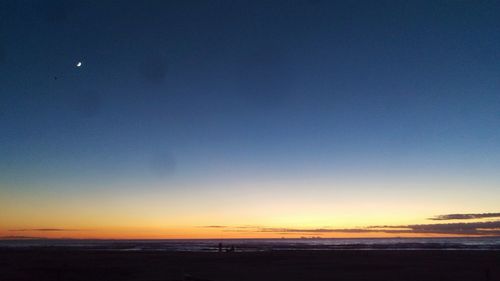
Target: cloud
(465, 216)
(474, 228)
(43, 229)
(312, 230)
(489, 228)
(232, 227)
(213, 226)
(21, 237)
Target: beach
(77, 264)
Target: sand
(70, 264)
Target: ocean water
(251, 245)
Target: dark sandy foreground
(296, 265)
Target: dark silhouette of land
(80, 265)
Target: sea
(253, 245)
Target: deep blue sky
(201, 92)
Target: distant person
(487, 274)
(220, 247)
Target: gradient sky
(189, 118)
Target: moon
(79, 64)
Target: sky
(224, 119)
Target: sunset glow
(235, 119)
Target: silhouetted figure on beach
(230, 250)
(487, 274)
(220, 247)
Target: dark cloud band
(465, 216)
(43, 229)
(484, 228)
(476, 228)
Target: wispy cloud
(459, 228)
(42, 229)
(473, 228)
(231, 228)
(213, 226)
(312, 230)
(21, 237)
(465, 216)
(476, 228)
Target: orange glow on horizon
(197, 233)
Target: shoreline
(257, 245)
